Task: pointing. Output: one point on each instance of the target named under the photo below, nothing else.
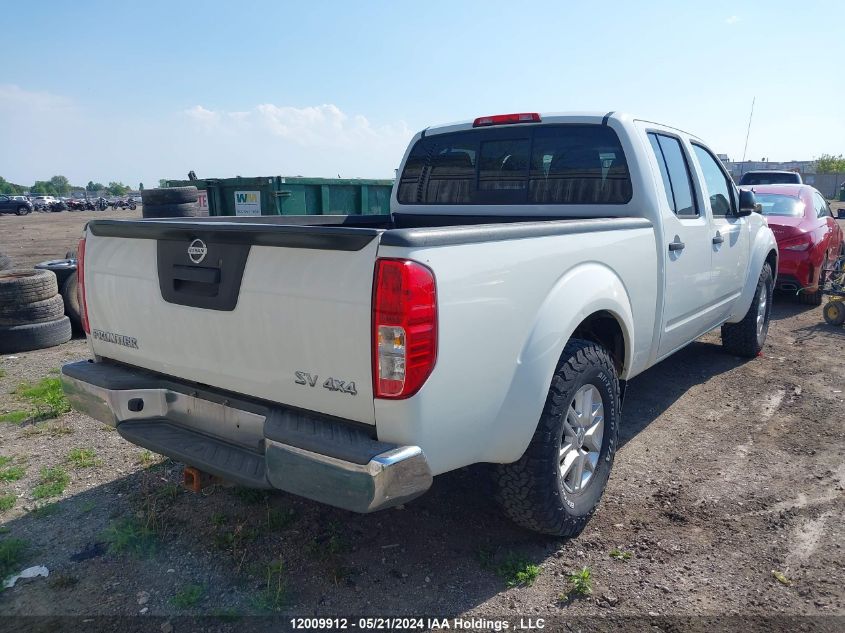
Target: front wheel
(23, 210)
(556, 485)
(747, 337)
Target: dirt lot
(727, 498)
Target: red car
(808, 236)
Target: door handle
(718, 239)
(676, 246)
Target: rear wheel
(747, 337)
(834, 313)
(556, 485)
(23, 210)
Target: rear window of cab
(548, 164)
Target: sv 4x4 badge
(332, 384)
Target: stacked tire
(32, 312)
(170, 202)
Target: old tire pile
(31, 311)
(170, 202)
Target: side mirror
(747, 203)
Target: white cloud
(732, 20)
(60, 136)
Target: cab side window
(716, 185)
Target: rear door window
(675, 173)
(548, 164)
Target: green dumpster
(281, 195)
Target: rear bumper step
(249, 443)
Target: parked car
(15, 204)
(770, 177)
(809, 238)
(531, 266)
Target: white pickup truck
(530, 266)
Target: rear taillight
(506, 119)
(80, 288)
(404, 327)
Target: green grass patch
(11, 554)
(15, 417)
(47, 397)
(11, 473)
(130, 536)
(517, 572)
(618, 554)
(82, 457)
(52, 484)
(44, 510)
(188, 597)
(2, 373)
(5, 460)
(7, 502)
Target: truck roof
(585, 116)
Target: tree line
(60, 186)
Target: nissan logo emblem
(197, 250)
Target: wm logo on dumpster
(246, 198)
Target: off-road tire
(168, 196)
(37, 312)
(531, 490)
(741, 338)
(70, 294)
(26, 286)
(834, 313)
(24, 338)
(184, 210)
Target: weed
(781, 578)
(47, 397)
(250, 495)
(15, 417)
(82, 457)
(168, 493)
(619, 554)
(226, 615)
(2, 373)
(274, 595)
(218, 519)
(7, 502)
(5, 460)
(146, 458)
(130, 535)
(280, 519)
(62, 581)
(188, 597)
(44, 510)
(517, 572)
(328, 544)
(11, 554)
(53, 483)
(485, 555)
(12, 473)
(581, 584)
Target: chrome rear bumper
(248, 442)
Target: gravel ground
(730, 474)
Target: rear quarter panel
(506, 310)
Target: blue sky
(141, 91)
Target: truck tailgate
(276, 312)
